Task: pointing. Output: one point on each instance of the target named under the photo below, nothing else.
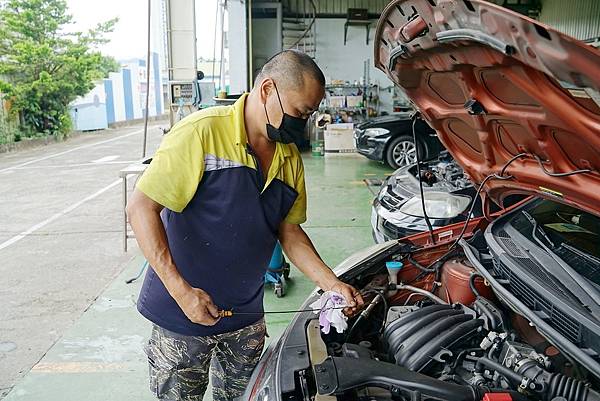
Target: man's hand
(302, 253)
(350, 294)
(144, 216)
(198, 306)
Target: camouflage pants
(179, 365)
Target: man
(224, 186)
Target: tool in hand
(230, 313)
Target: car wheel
(402, 151)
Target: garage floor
(100, 357)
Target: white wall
(118, 96)
(347, 62)
(137, 77)
(238, 58)
(265, 43)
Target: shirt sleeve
(176, 169)
(297, 214)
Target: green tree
(43, 66)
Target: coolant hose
(509, 374)
(421, 291)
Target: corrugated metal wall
(333, 7)
(577, 18)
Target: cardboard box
(353, 101)
(340, 126)
(339, 138)
(337, 101)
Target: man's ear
(266, 86)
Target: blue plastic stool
(278, 272)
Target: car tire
(401, 152)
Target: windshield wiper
(579, 286)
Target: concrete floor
(59, 237)
(99, 356)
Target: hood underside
(495, 84)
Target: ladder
(298, 26)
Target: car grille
(391, 203)
(566, 325)
(390, 231)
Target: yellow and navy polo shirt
(221, 216)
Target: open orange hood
(495, 84)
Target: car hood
(383, 120)
(495, 84)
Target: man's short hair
(288, 69)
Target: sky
(129, 38)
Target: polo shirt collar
(241, 137)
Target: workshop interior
(452, 174)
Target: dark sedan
(389, 139)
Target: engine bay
(444, 173)
(441, 333)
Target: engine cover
(416, 338)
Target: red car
(501, 307)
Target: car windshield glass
(570, 233)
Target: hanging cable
(551, 174)
(500, 176)
(427, 221)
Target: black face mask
(291, 128)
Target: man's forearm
(152, 240)
(302, 253)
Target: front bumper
(371, 147)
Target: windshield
(570, 233)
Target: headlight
(373, 132)
(439, 205)
(261, 386)
(263, 395)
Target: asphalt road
(60, 237)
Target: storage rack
(370, 91)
